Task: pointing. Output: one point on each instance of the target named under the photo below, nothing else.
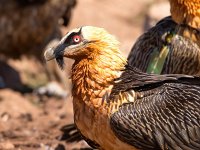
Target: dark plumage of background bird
(27, 27)
(172, 46)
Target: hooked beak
(55, 53)
(49, 54)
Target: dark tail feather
(70, 134)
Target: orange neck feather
(186, 12)
(93, 76)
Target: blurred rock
(31, 71)
(5, 117)
(52, 89)
(13, 104)
(156, 12)
(10, 78)
(6, 145)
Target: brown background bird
(27, 27)
(119, 107)
(172, 46)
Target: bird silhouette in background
(32, 16)
(117, 106)
(170, 47)
(173, 44)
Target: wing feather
(167, 116)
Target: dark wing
(184, 56)
(151, 42)
(166, 115)
(167, 48)
(133, 78)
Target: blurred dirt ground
(28, 121)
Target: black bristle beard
(60, 62)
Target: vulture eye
(76, 39)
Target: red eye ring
(76, 39)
